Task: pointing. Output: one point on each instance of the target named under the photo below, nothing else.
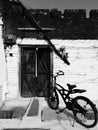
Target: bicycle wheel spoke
(53, 100)
(85, 112)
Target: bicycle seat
(70, 87)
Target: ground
(44, 118)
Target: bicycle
(85, 114)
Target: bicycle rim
(53, 100)
(85, 112)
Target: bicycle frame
(67, 99)
(65, 93)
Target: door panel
(35, 71)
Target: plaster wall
(82, 71)
(2, 66)
(83, 68)
(12, 68)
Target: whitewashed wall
(12, 62)
(82, 71)
(83, 68)
(2, 66)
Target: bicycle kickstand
(72, 122)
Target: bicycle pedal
(60, 111)
(57, 112)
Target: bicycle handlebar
(60, 72)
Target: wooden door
(35, 71)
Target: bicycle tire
(53, 99)
(89, 114)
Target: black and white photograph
(48, 64)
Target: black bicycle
(83, 109)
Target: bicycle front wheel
(53, 99)
(84, 111)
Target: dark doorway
(35, 70)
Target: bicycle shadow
(48, 115)
(66, 115)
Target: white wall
(83, 68)
(2, 66)
(82, 71)
(12, 62)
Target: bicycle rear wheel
(53, 99)
(84, 111)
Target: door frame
(34, 46)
